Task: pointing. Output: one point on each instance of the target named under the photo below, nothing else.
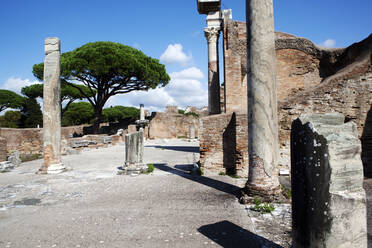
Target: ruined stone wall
(223, 144)
(351, 97)
(3, 152)
(29, 140)
(235, 66)
(171, 125)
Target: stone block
(6, 166)
(134, 154)
(328, 199)
(3, 151)
(79, 143)
(106, 140)
(14, 158)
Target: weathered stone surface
(328, 199)
(106, 140)
(3, 151)
(79, 143)
(134, 153)
(52, 108)
(212, 33)
(14, 158)
(262, 101)
(6, 166)
(191, 132)
(223, 144)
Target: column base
(52, 169)
(132, 170)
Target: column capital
(212, 34)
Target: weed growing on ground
(262, 207)
(286, 192)
(222, 173)
(150, 168)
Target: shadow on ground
(227, 234)
(194, 149)
(183, 171)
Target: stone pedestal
(328, 199)
(134, 154)
(212, 33)
(262, 101)
(52, 108)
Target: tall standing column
(262, 99)
(212, 33)
(52, 108)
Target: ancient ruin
(212, 33)
(328, 199)
(262, 102)
(134, 154)
(52, 108)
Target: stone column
(262, 100)
(191, 131)
(212, 33)
(133, 154)
(3, 150)
(52, 108)
(142, 112)
(328, 199)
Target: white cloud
(16, 84)
(329, 43)
(184, 89)
(174, 55)
(190, 73)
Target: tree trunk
(97, 120)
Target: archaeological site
(280, 157)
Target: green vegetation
(11, 119)
(77, 114)
(31, 113)
(150, 168)
(286, 192)
(233, 175)
(10, 99)
(117, 113)
(262, 207)
(182, 112)
(192, 113)
(222, 173)
(69, 94)
(29, 157)
(110, 69)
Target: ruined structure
(328, 199)
(3, 151)
(212, 33)
(262, 102)
(134, 154)
(309, 79)
(52, 108)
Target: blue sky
(173, 29)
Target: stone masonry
(52, 108)
(134, 153)
(328, 199)
(3, 151)
(262, 100)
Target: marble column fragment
(191, 132)
(262, 99)
(212, 33)
(328, 199)
(52, 108)
(134, 148)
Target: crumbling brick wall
(223, 144)
(3, 152)
(171, 125)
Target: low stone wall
(29, 140)
(224, 144)
(171, 125)
(2, 149)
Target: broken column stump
(133, 154)
(328, 199)
(3, 151)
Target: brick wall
(171, 125)
(223, 144)
(3, 152)
(235, 66)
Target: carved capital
(212, 34)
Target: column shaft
(262, 100)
